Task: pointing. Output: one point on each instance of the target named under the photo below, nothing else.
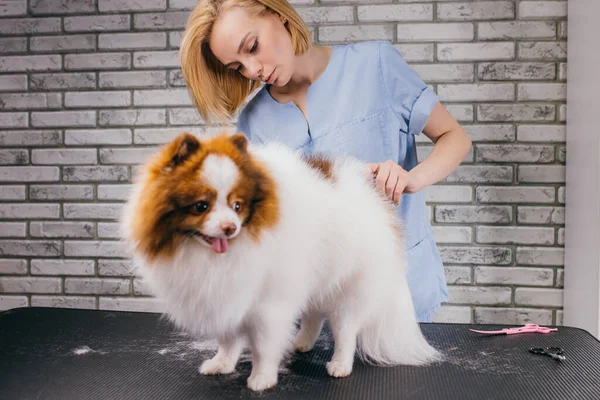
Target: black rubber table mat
(48, 353)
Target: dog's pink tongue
(219, 245)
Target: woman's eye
(254, 46)
(201, 207)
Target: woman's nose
(254, 69)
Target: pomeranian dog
(239, 241)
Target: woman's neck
(308, 68)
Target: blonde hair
(217, 91)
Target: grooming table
(63, 354)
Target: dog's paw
(338, 369)
(260, 382)
(215, 366)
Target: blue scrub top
(368, 103)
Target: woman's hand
(392, 179)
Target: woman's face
(258, 47)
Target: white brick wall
(88, 88)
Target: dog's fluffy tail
(394, 337)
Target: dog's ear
(240, 142)
(181, 149)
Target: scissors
(555, 352)
(523, 329)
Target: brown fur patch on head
(171, 187)
(320, 163)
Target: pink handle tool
(534, 328)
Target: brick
(188, 4)
(131, 5)
(98, 248)
(355, 33)
(62, 267)
(44, 248)
(476, 92)
(323, 15)
(185, 116)
(435, 32)
(28, 26)
(517, 30)
(156, 59)
(63, 119)
(67, 43)
(559, 317)
(12, 229)
(560, 277)
(561, 195)
(516, 112)
(542, 91)
(9, 83)
(161, 21)
(401, 12)
(540, 215)
(445, 72)
(176, 78)
(122, 41)
(42, 7)
(131, 304)
(561, 237)
(562, 71)
(30, 285)
(452, 314)
(30, 138)
(94, 211)
(97, 286)
(29, 174)
(29, 101)
(562, 113)
(514, 153)
(475, 255)
(10, 302)
(62, 229)
(13, 8)
(491, 194)
(97, 23)
(473, 214)
(13, 45)
(487, 295)
(13, 266)
(134, 79)
(475, 51)
(476, 10)
(108, 230)
(542, 9)
(97, 99)
(538, 173)
(527, 276)
(63, 81)
(97, 137)
(115, 268)
(540, 256)
(514, 235)
(517, 71)
(165, 97)
(79, 302)
(416, 52)
(480, 174)
(113, 192)
(457, 275)
(61, 192)
(512, 316)
(97, 61)
(563, 30)
(448, 193)
(160, 136)
(175, 39)
(452, 234)
(542, 50)
(140, 288)
(14, 120)
(126, 156)
(97, 173)
(139, 117)
(561, 153)
(539, 297)
(491, 133)
(63, 156)
(12, 192)
(14, 157)
(541, 133)
(29, 210)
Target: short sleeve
(243, 126)
(410, 98)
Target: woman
(359, 99)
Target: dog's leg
(225, 360)
(310, 328)
(344, 331)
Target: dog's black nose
(228, 228)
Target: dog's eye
(201, 207)
(237, 206)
